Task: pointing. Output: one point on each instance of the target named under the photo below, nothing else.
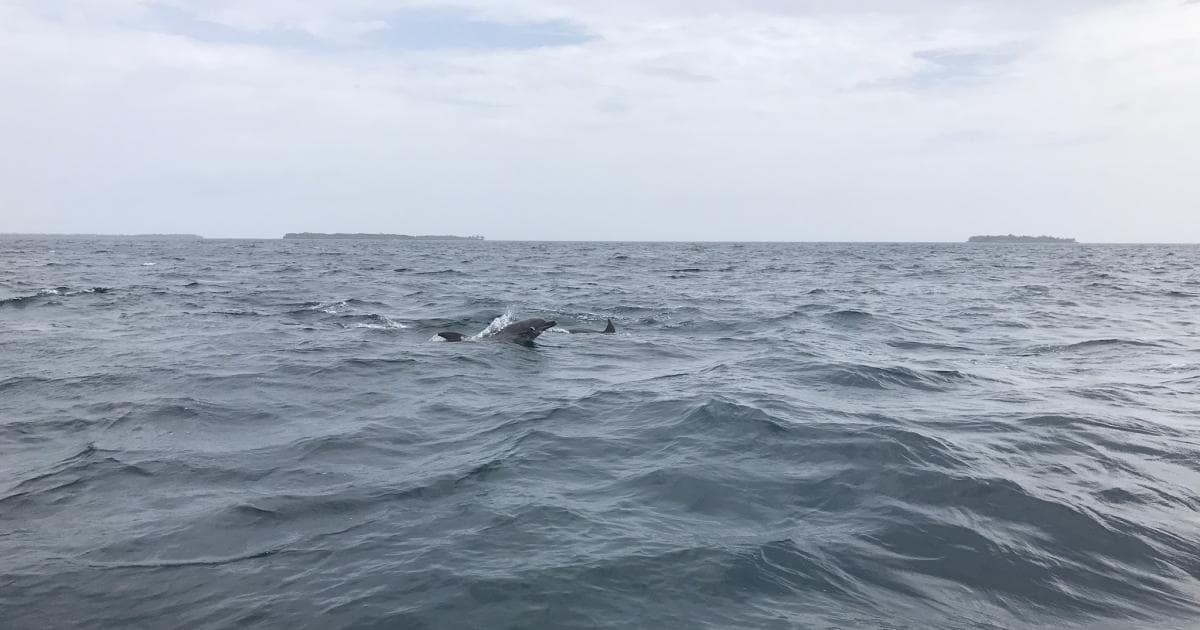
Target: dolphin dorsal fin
(610, 328)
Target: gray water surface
(212, 434)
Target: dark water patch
(1034, 289)
(190, 414)
(66, 481)
(43, 431)
(703, 490)
(371, 367)
(917, 544)
(93, 387)
(1080, 422)
(928, 345)
(14, 384)
(1102, 343)
(719, 417)
(179, 563)
(1093, 345)
(1108, 394)
(898, 445)
(42, 297)
(875, 377)
(850, 317)
(350, 448)
(783, 568)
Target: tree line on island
(1012, 238)
(364, 236)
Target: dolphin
(522, 332)
(608, 330)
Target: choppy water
(262, 434)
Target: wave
(349, 313)
(928, 345)
(188, 562)
(17, 382)
(25, 300)
(849, 316)
(1069, 556)
(372, 321)
(723, 416)
(1088, 423)
(338, 307)
(1093, 344)
(862, 376)
(54, 489)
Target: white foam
(332, 308)
(390, 323)
(148, 264)
(387, 324)
(497, 324)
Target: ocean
(267, 434)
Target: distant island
(392, 237)
(1012, 238)
(136, 237)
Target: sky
(787, 120)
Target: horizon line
(193, 236)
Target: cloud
(960, 66)
(659, 119)
(432, 29)
(401, 29)
(176, 21)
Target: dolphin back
(526, 330)
(608, 330)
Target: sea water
(266, 434)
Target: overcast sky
(622, 119)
